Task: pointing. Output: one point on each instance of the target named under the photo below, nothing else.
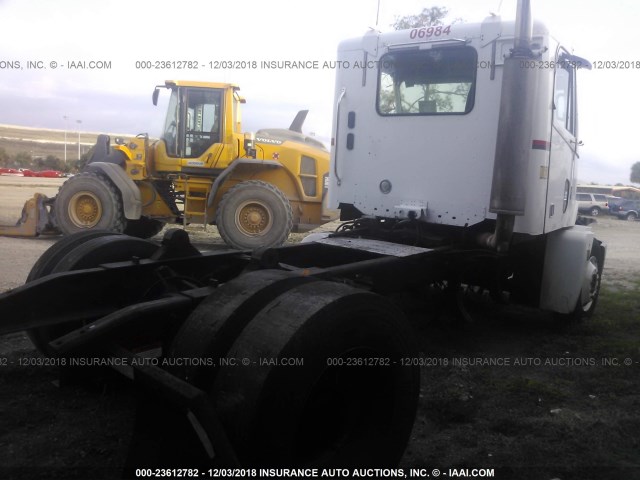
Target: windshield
(170, 131)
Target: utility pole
(66, 127)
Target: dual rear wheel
(307, 372)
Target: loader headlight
(385, 186)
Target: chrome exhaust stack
(513, 143)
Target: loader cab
(193, 121)
(194, 133)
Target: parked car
(614, 202)
(627, 210)
(43, 173)
(592, 203)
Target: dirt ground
(507, 392)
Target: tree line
(27, 161)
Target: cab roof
(191, 83)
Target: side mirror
(155, 95)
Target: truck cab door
(561, 204)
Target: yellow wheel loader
(256, 188)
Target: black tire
(215, 324)
(48, 261)
(254, 214)
(144, 227)
(317, 413)
(88, 201)
(631, 217)
(595, 211)
(56, 252)
(584, 311)
(83, 250)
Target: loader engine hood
(277, 136)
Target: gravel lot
(18, 255)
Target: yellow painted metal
(192, 83)
(253, 218)
(153, 205)
(85, 209)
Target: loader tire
(144, 227)
(254, 214)
(341, 398)
(82, 250)
(89, 201)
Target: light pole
(66, 127)
(79, 122)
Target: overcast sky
(122, 32)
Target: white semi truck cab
(469, 132)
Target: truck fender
(131, 201)
(566, 257)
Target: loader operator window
(170, 132)
(439, 81)
(202, 126)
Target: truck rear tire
(88, 201)
(320, 380)
(254, 214)
(82, 250)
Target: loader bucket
(35, 220)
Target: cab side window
(564, 99)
